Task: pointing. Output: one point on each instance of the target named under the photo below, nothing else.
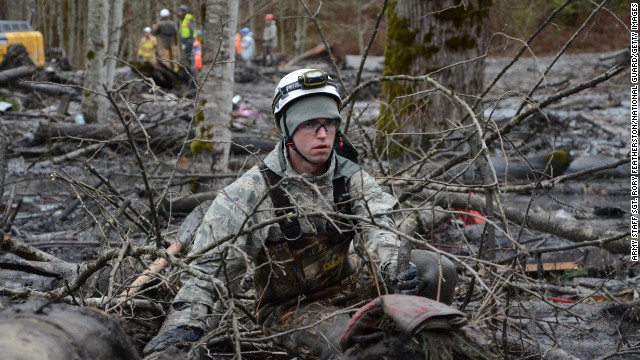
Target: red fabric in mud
(410, 313)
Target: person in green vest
(186, 34)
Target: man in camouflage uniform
(305, 270)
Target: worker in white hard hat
(167, 33)
(312, 229)
(148, 47)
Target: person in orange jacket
(197, 54)
(238, 45)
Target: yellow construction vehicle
(21, 32)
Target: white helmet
(301, 83)
(147, 30)
(164, 13)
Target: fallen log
(36, 261)
(41, 330)
(38, 268)
(570, 230)
(159, 136)
(246, 144)
(319, 52)
(49, 89)
(161, 74)
(16, 73)
(49, 131)
(74, 77)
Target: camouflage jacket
(245, 204)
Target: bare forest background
(102, 197)
(347, 24)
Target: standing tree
(213, 116)
(115, 25)
(431, 37)
(94, 104)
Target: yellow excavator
(21, 32)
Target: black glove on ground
(405, 283)
(171, 337)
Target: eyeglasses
(313, 126)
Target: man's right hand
(172, 336)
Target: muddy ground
(589, 310)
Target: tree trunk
(4, 146)
(214, 108)
(301, 29)
(423, 37)
(95, 105)
(114, 39)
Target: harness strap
(290, 228)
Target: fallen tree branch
(149, 274)
(36, 261)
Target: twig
(146, 226)
(376, 29)
(154, 213)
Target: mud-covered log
(48, 89)
(50, 131)
(37, 330)
(162, 75)
(161, 136)
(245, 144)
(16, 73)
(319, 52)
(56, 270)
(570, 230)
(36, 261)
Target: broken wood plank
(552, 266)
(151, 271)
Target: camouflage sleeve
(228, 214)
(371, 200)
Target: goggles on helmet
(309, 80)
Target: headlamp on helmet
(301, 83)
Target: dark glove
(171, 337)
(405, 283)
